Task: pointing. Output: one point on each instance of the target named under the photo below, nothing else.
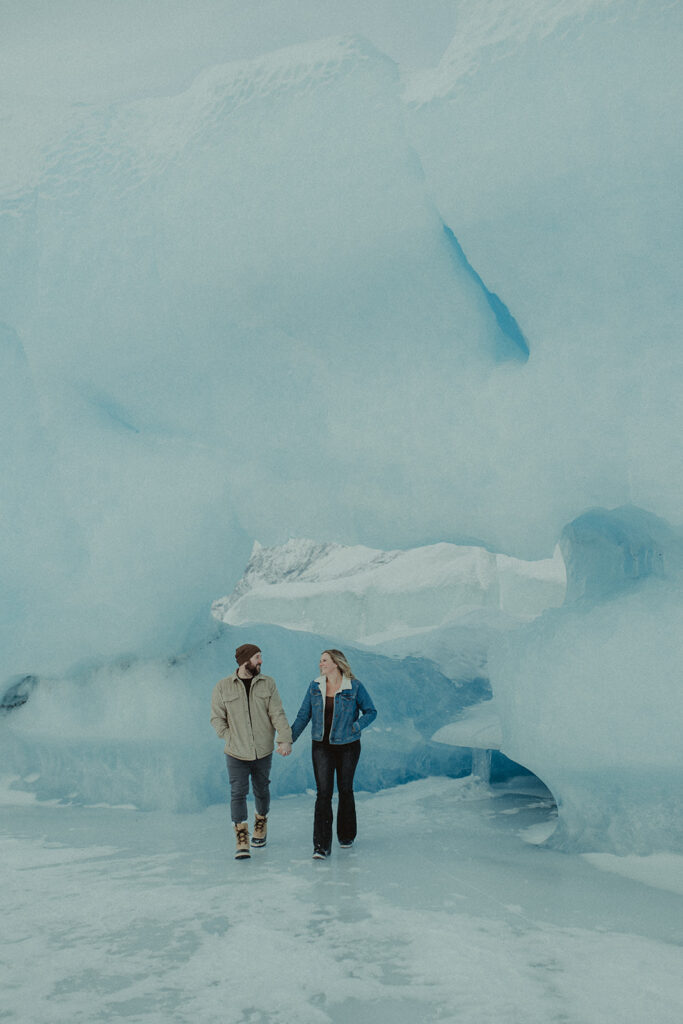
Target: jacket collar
(236, 679)
(346, 683)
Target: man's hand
(284, 748)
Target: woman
(339, 707)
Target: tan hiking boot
(242, 833)
(260, 830)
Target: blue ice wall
(227, 299)
(545, 134)
(137, 732)
(512, 343)
(590, 693)
(233, 313)
(606, 551)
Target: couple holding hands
(246, 711)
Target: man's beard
(251, 670)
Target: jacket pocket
(260, 704)
(232, 707)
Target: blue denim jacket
(347, 721)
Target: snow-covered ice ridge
(142, 137)
(373, 596)
(498, 27)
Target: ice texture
(590, 694)
(443, 602)
(479, 727)
(261, 239)
(605, 552)
(314, 294)
(377, 596)
(345, 249)
(545, 134)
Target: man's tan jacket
(248, 728)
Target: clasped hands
(284, 748)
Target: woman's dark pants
(329, 759)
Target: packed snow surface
(440, 910)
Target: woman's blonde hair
(339, 658)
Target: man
(245, 712)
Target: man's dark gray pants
(239, 773)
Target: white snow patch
(659, 870)
(478, 727)
(376, 597)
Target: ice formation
(443, 602)
(590, 694)
(376, 596)
(545, 136)
(136, 732)
(261, 239)
(313, 294)
(269, 232)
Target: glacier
(402, 279)
(545, 137)
(313, 292)
(150, 301)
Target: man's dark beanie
(245, 652)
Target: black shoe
(346, 845)
(319, 853)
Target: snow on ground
(441, 912)
(661, 870)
